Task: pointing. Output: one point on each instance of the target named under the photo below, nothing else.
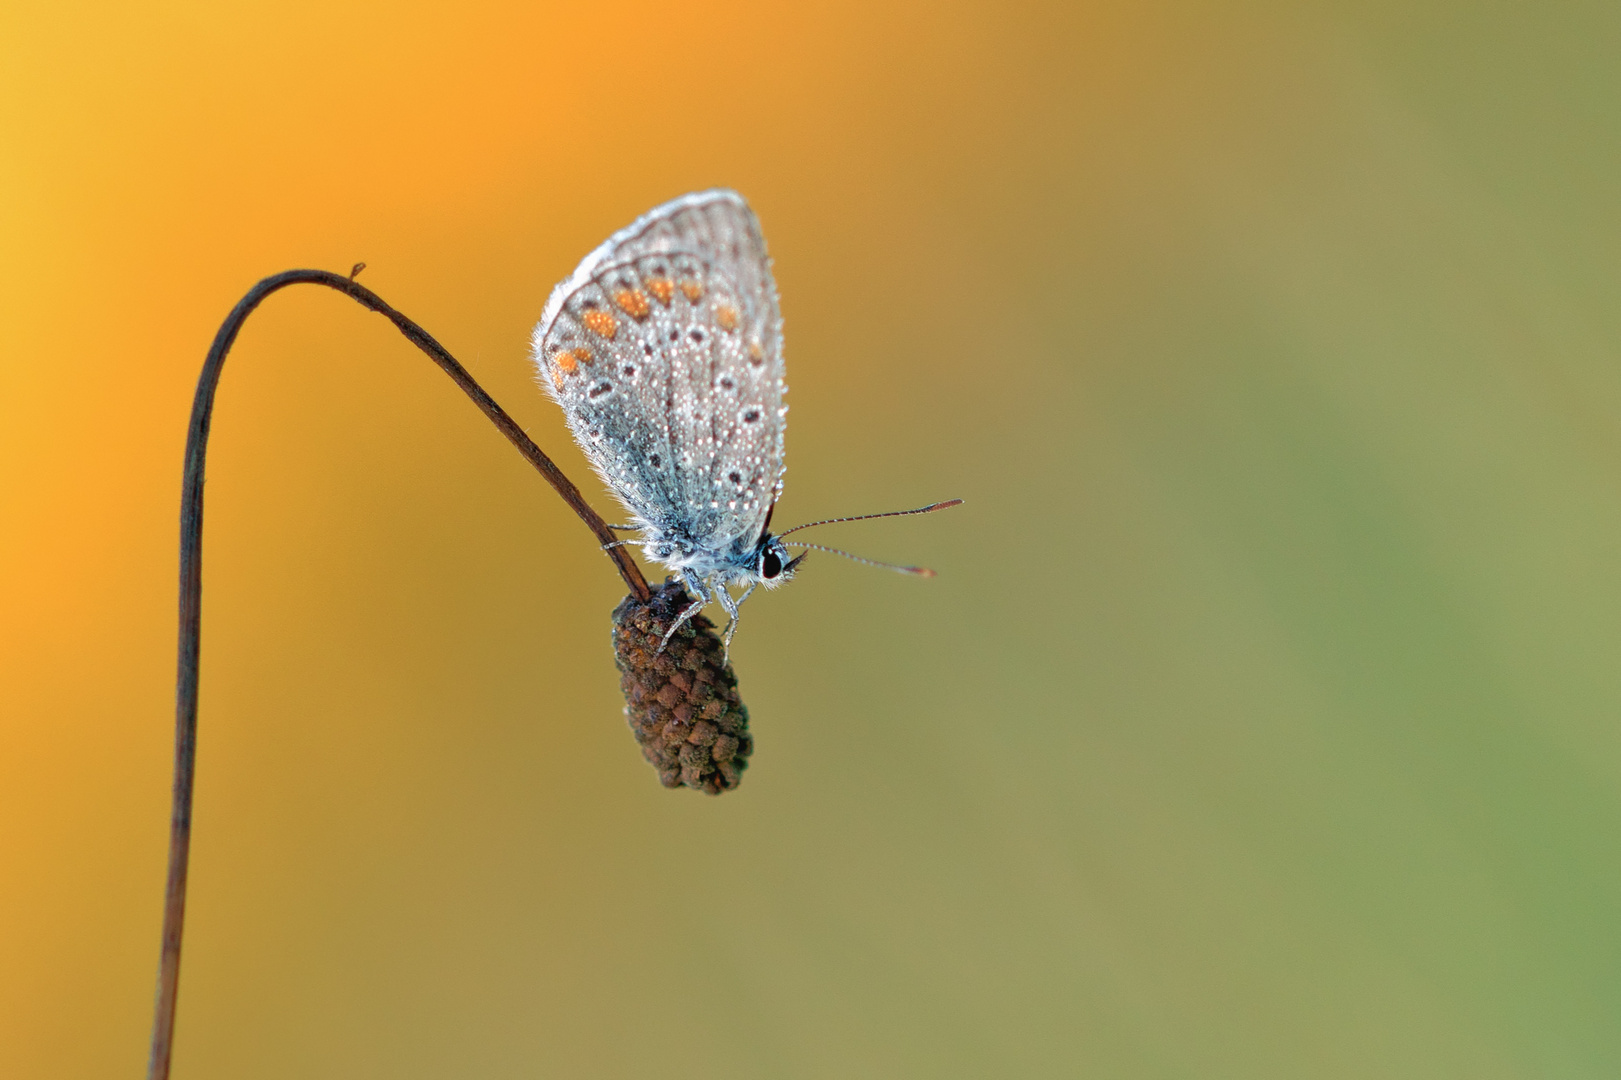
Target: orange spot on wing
(692, 289)
(570, 359)
(663, 288)
(601, 323)
(726, 315)
(632, 302)
(557, 379)
(756, 352)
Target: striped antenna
(931, 508)
(918, 571)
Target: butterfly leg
(697, 586)
(626, 540)
(724, 595)
(731, 607)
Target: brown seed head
(682, 704)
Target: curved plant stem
(191, 589)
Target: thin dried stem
(191, 589)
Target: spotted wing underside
(665, 351)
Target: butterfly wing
(664, 349)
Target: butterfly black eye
(770, 566)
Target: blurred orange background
(1263, 720)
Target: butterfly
(664, 349)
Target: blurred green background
(1263, 720)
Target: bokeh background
(1265, 717)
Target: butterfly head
(773, 565)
